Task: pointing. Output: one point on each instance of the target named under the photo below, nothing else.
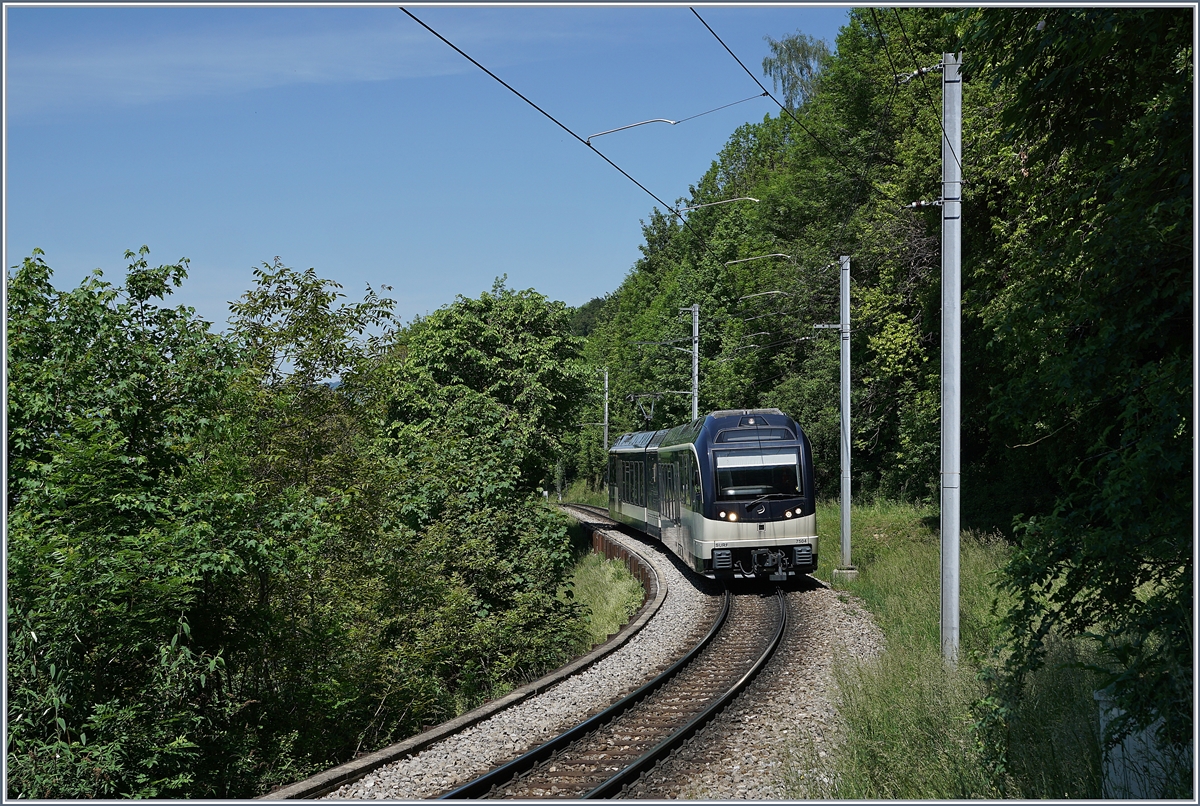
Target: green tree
(795, 64)
(510, 351)
(475, 399)
(1094, 314)
(109, 399)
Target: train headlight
(733, 516)
(799, 510)
(788, 514)
(722, 514)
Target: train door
(668, 486)
(652, 496)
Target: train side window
(696, 487)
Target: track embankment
(452, 753)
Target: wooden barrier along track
(598, 757)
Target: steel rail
(589, 508)
(627, 776)
(505, 773)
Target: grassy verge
(579, 493)
(908, 718)
(609, 594)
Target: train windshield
(770, 472)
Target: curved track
(600, 756)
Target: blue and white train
(730, 493)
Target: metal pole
(844, 329)
(951, 346)
(695, 360)
(606, 411)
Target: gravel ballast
(747, 753)
(682, 619)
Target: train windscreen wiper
(768, 495)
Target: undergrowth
(607, 592)
(909, 720)
(580, 493)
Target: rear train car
(730, 493)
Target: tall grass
(579, 493)
(909, 718)
(610, 594)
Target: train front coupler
(770, 562)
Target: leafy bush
(226, 572)
(109, 398)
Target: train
(730, 494)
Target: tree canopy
(226, 571)
(1077, 305)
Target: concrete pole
(844, 329)
(695, 360)
(606, 411)
(951, 347)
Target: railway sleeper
(569, 773)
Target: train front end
(758, 505)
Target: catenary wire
(562, 126)
(787, 111)
(925, 87)
(674, 122)
(535, 106)
(726, 106)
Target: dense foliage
(236, 558)
(225, 572)
(110, 400)
(1077, 309)
(1093, 323)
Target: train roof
(638, 440)
(723, 413)
(687, 433)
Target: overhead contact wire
(562, 126)
(787, 111)
(925, 87)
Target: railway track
(609, 751)
(596, 516)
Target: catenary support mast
(844, 331)
(606, 411)
(951, 346)
(695, 360)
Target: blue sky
(351, 140)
